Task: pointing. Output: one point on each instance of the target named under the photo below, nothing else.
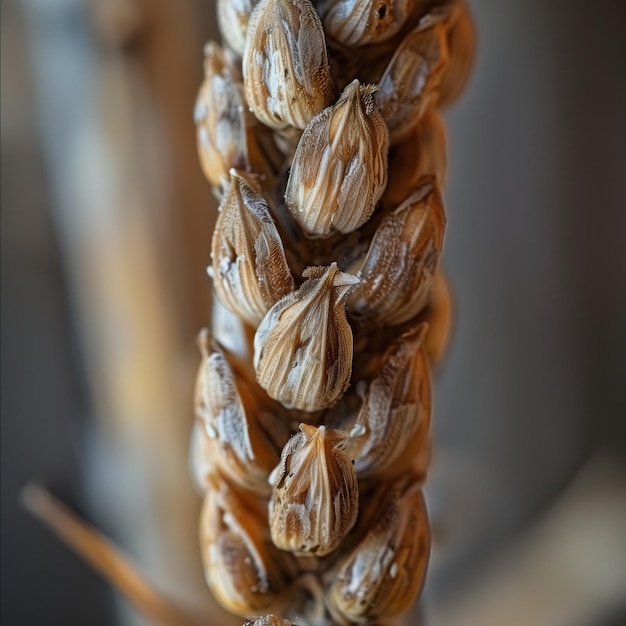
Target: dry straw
(319, 132)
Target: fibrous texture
(319, 132)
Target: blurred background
(106, 226)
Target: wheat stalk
(319, 132)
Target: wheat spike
(319, 131)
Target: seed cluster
(319, 132)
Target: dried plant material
(422, 154)
(306, 596)
(249, 268)
(219, 114)
(267, 620)
(265, 157)
(339, 171)
(244, 570)
(358, 22)
(238, 442)
(285, 66)
(462, 49)
(384, 574)
(231, 332)
(397, 403)
(412, 78)
(228, 135)
(325, 524)
(397, 273)
(105, 558)
(201, 458)
(233, 17)
(438, 316)
(303, 346)
(315, 498)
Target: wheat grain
(285, 67)
(339, 170)
(249, 267)
(314, 502)
(303, 346)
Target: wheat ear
(319, 131)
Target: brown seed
(233, 17)
(244, 570)
(249, 268)
(384, 574)
(303, 346)
(358, 22)
(397, 272)
(285, 67)
(411, 81)
(339, 171)
(219, 114)
(396, 411)
(315, 498)
(236, 437)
